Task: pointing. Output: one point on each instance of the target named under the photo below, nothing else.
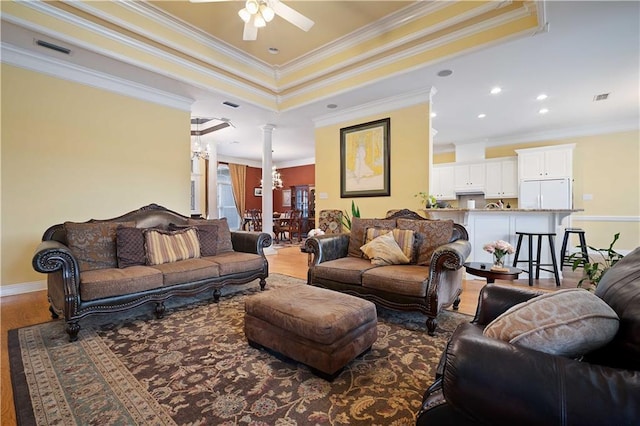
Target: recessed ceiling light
(433, 114)
(542, 97)
(482, 115)
(274, 50)
(543, 111)
(332, 106)
(444, 73)
(496, 90)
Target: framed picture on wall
(364, 160)
(286, 198)
(257, 192)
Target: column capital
(268, 128)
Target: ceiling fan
(225, 122)
(256, 14)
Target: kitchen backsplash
(481, 202)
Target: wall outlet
(323, 195)
(587, 197)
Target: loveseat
(430, 280)
(532, 380)
(145, 256)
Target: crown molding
(238, 160)
(373, 30)
(157, 15)
(376, 107)
(389, 60)
(566, 133)
(133, 43)
(297, 163)
(67, 71)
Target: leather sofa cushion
(347, 270)
(429, 235)
(94, 243)
(108, 282)
(320, 315)
(188, 270)
(224, 233)
(408, 280)
(236, 262)
(359, 228)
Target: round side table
(480, 269)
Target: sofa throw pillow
(384, 250)
(404, 238)
(429, 235)
(569, 323)
(129, 246)
(358, 229)
(170, 246)
(94, 243)
(223, 244)
(207, 236)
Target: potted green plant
(594, 270)
(346, 219)
(428, 200)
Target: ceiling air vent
(53, 47)
(230, 104)
(601, 97)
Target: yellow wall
(409, 163)
(74, 152)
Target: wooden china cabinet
(303, 199)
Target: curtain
(238, 173)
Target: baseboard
(13, 289)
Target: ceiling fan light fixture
(258, 21)
(244, 15)
(252, 6)
(266, 12)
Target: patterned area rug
(194, 367)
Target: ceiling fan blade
(210, 129)
(291, 15)
(250, 32)
(206, 1)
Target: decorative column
(212, 180)
(267, 191)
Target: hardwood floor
(32, 308)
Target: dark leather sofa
(77, 293)
(484, 381)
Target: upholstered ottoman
(321, 328)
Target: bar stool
(565, 240)
(531, 260)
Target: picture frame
(257, 192)
(286, 198)
(365, 164)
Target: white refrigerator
(545, 194)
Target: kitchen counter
(455, 209)
(486, 225)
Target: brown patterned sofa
(429, 282)
(145, 256)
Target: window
(226, 203)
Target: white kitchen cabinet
(549, 162)
(501, 178)
(442, 183)
(469, 177)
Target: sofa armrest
(52, 256)
(327, 247)
(499, 383)
(494, 300)
(250, 242)
(450, 256)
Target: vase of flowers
(499, 249)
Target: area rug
(194, 367)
